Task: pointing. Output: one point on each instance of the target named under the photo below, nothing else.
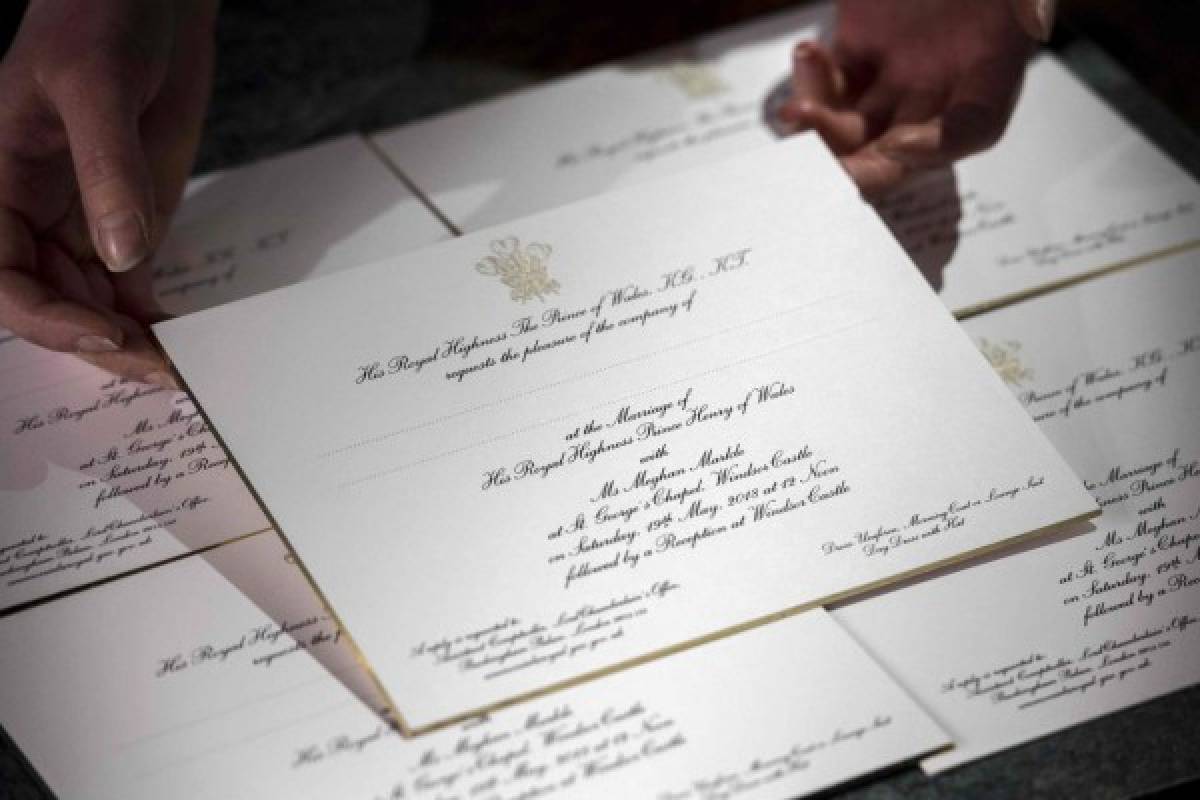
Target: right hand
(911, 85)
(101, 106)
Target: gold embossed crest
(1005, 358)
(695, 79)
(522, 269)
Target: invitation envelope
(1070, 189)
(221, 677)
(592, 436)
(100, 476)
(1014, 649)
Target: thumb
(100, 110)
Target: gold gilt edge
(767, 619)
(1073, 280)
(25, 605)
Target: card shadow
(285, 602)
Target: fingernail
(163, 380)
(912, 140)
(804, 59)
(908, 144)
(1043, 10)
(90, 343)
(1036, 17)
(122, 239)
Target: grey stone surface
(294, 71)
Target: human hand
(910, 85)
(101, 105)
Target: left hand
(101, 105)
(909, 85)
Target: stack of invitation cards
(599, 435)
(546, 491)
(1013, 649)
(1041, 207)
(100, 476)
(221, 676)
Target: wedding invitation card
(221, 676)
(591, 437)
(673, 109)
(1070, 189)
(1013, 649)
(282, 220)
(99, 476)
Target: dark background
(292, 71)
(1158, 40)
(295, 71)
